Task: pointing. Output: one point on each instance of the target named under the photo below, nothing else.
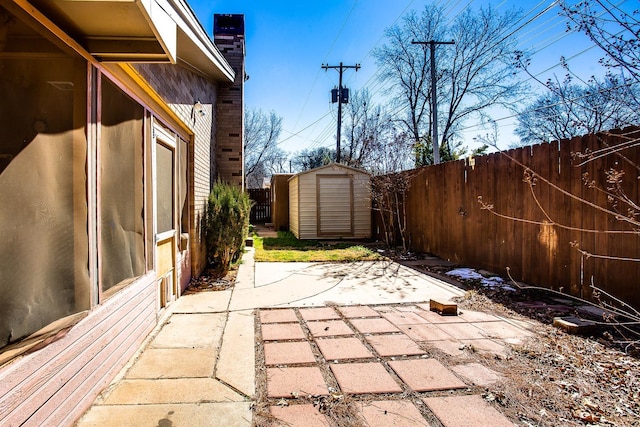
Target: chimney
(228, 35)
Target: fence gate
(261, 210)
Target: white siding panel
(294, 217)
(362, 206)
(308, 206)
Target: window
(164, 179)
(121, 189)
(44, 250)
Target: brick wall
(181, 88)
(230, 107)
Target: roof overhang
(139, 31)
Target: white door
(165, 224)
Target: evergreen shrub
(226, 225)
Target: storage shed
(280, 201)
(332, 201)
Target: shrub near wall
(226, 225)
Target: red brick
(403, 318)
(329, 328)
(320, 313)
(462, 331)
(436, 318)
(284, 382)
(300, 415)
(451, 347)
(408, 308)
(426, 375)
(477, 316)
(425, 332)
(396, 413)
(343, 348)
(394, 345)
(286, 353)
(361, 378)
(353, 311)
(374, 325)
(477, 374)
(282, 331)
(502, 330)
(466, 411)
(276, 316)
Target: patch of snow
(465, 274)
(492, 282)
(489, 282)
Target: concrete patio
(363, 330)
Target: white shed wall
(304, 211)
(293, 207)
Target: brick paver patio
(381, 357)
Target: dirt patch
(211, 280)
(562, 379)
(558, 378)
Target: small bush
(226, 225)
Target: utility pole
(434, 100)
(341, 99)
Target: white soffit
(139, 31)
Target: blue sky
(287, 42)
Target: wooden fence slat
(576, 187)
(529, 230)
(559, 159)
(445, 218)
(589, 217)
(261, 209)
(513, 259)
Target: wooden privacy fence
(261, 209)
(546, 215)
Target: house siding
(57, 381)
(181, 89)
(55, 385)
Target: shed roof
(140, 31)
(332, 165)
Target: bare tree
(389, 194)
(370, 134)
(390, 185)
(473, 75)
(613, 29)
(312, 158)
(262, 154)
(569, 109)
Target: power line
(302, 130)
(344, 23)
(340, 98)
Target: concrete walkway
(358, 328)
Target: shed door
(335, 205)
